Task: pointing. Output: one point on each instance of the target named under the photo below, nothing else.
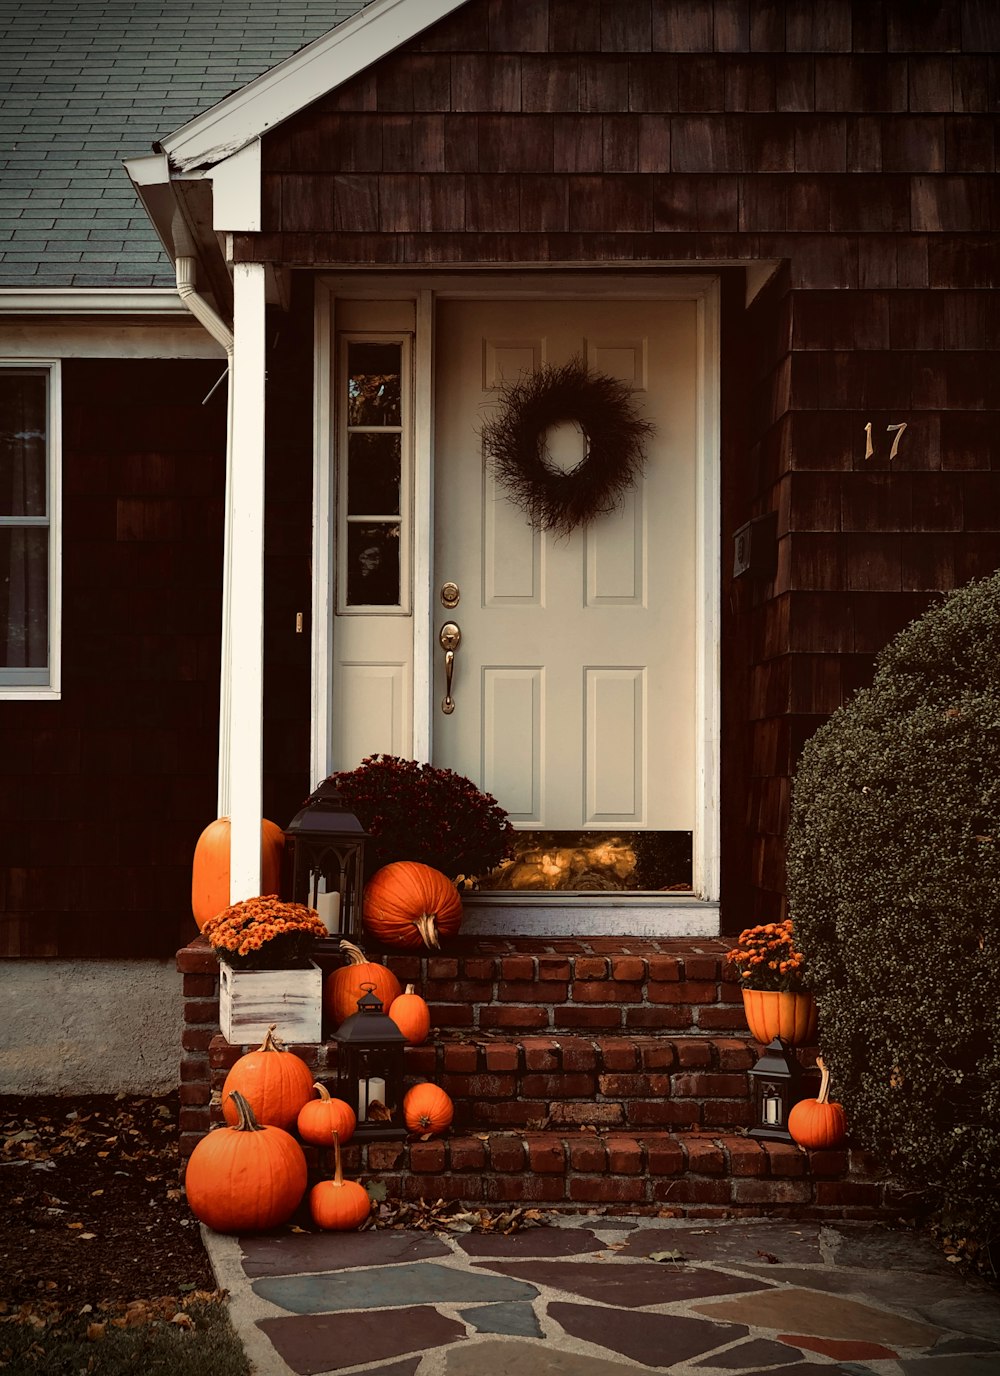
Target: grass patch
(79, 1346)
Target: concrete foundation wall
(90, 1026)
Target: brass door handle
(449, 638)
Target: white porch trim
(312, 72)
(241, 747)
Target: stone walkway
(600, 1296)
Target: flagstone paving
(595, 1295)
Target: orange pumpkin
(338, 1205)
(409, 904)
(275, 1083)
(344, 986)
(818, 1123)
(323, 1118)
(247, 1177)
(411, 1015)
(427, 1109)
(210, 871)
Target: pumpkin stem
(355, 955)
(245, 1121)
(410, 989)
(271, 1042)
(322, 1091)
(338, 1170)
(823, 1097)
(426, 925)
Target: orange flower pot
(770, 1014)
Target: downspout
(186, 270)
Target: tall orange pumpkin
(344, 986)
(412, 1016)
(210, 870)
(275, 1083)
(409, 904)
(818, 1123)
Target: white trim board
(307, 75)
(576, 917)
(91, 301)
(108, 338)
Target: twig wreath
(514, 442)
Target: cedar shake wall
(105, 791)
(854, 144)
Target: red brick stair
(599, 1072)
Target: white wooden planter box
(251, 1000)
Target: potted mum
(774, 980)
(266, 974)
(419, 812)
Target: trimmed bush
(894, 885)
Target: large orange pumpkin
(247, 1177)
(818, 1123)
(275, 1083)
(409, 904)
(345, 985)
(210, 871)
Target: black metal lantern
(775, 1079)
(370, 1069)
(326, 845)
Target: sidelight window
(374, 475)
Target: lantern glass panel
(326, 844)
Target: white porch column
(241, 747)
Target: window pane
(22, 442)
(373, 384)
(373, 565)
(596, 861)
(24, 598)
(373, 469)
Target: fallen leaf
(96, 1331)
(767, 1256)
(182, 1321)
(666, 1256)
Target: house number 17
(897, 430)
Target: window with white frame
(374, 474)
(29, 529)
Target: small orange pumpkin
(275, 1083)
(411, 1015)
(409, 904)
(324, 1117)
(339, 1205)
(247, 1177)
(427, 1109)
(344, 986)
(818, 1123)
(210, 870)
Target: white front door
(574, 682)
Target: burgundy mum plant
(418, 812)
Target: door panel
(574, 683)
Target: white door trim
(702, 288)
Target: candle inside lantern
(772, 1110)
(368, 1092)
(328, 907)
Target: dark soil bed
(92, 1210)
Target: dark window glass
(373, 384)
(22, 443)
(373, 472)
(596, 861)
(373, 564)
(24, 597)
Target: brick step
(697, 1175)
(595, 985)
(542, 1082)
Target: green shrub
(894, 885)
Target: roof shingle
(85, 84)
